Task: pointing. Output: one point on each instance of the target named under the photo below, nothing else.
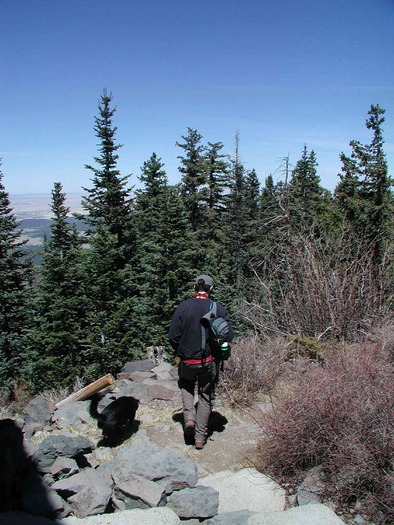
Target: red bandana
(201, 295)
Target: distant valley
(34, 214)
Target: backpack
(219, 333)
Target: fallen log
(107, 381)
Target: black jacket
(185, 328)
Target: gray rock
(196, 502)
(132, 491)
(157, 391)
(155, 463)
(88, 492)
(66, 446)
(42, 500)
(145, 365)
(155, 516)
(164, 383)
(64, 468)
(139, 377)
(125, 387)
(246, 489)
(239, 517)
(313, 514)
(312, 487)
(75, 415)
(37, 415)
(163, 371)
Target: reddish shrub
(340, 416)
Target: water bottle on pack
(225, 351)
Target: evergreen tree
(151, 305)
(56, 343)
(214, 207)
(241, 235)
(180, 249)
(110, 323)
(305, 193)
(235, 228)
(107, 203)
(15, 289)
(111, 252)
(194, 176)
(364, 193)
(163, 256)
(271, 229)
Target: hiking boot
(188, 431)
(190, 424)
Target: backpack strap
(213, 307)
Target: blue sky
(282, 73)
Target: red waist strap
(207, 359)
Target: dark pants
(204, 376)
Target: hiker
(197, 365)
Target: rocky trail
(215, 486)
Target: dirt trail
(233, 434)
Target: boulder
(139, 377)
(157, 516)
(132, 491)
(163, 371)
(125, 387)
(65, 446)
(145, 365)
(237, 517)
(246, 489)
(155, 463)
(313, 514)
(73, 415)
(37, 415)
(63, 468)
(196, 502)
(88, 492)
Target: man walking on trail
(197, 365)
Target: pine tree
(15, 290)
(56, 343)
(214, 209)
(180, 249)
(163, 256)
(111, 252)
(364, 193)
(241, 236)
(194, 176)
(107, 203)
(305, 193)
(235, 227)
(151, 304)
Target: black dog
(115, 416)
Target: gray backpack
(219, 333)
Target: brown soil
(233, 434)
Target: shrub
(254, 368)
(327, 287)
(340, 416)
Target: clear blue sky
(283, 73)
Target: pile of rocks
(66, 478)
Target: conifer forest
(287, 257)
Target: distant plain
(34, 214)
